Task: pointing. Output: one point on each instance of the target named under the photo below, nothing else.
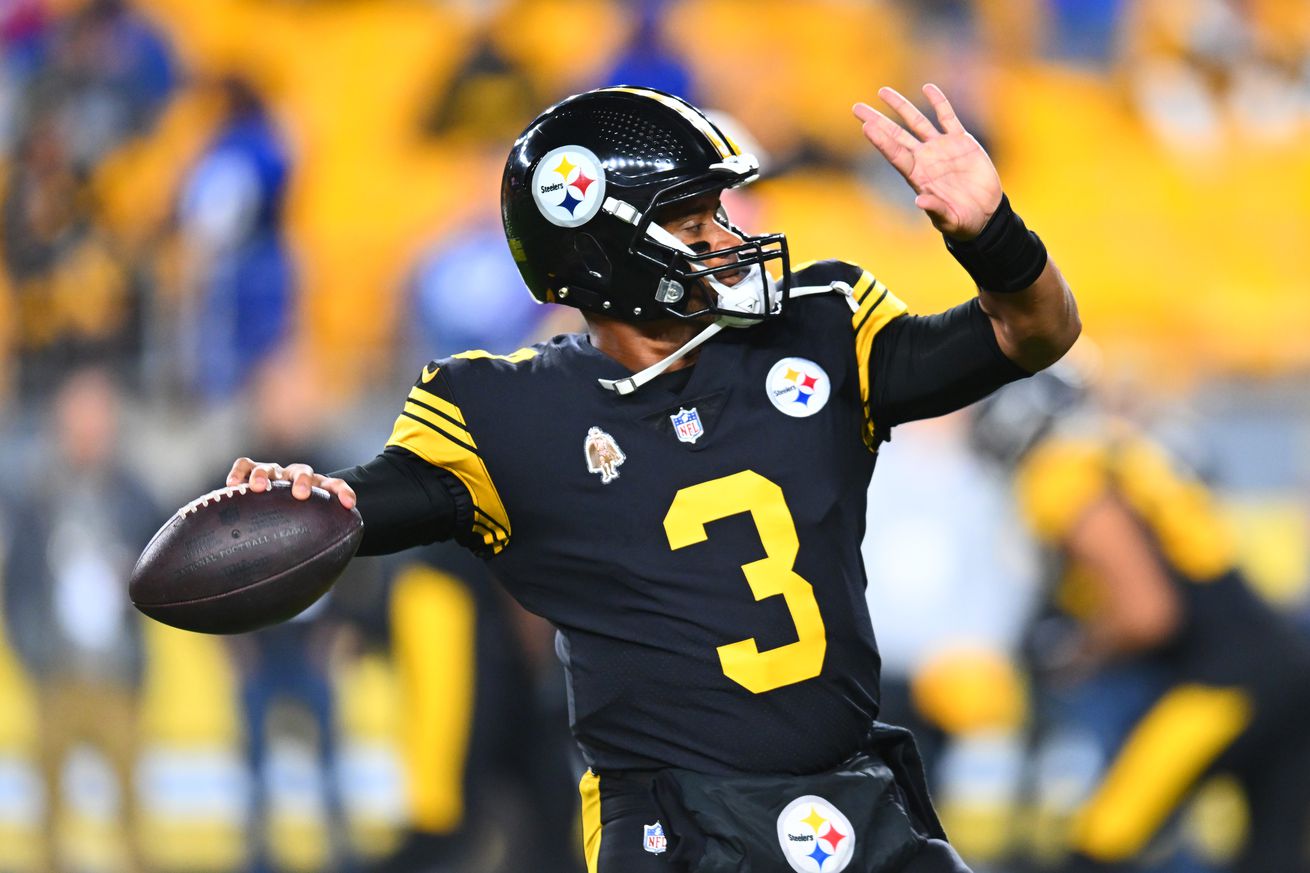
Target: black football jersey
(697, 542)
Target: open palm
(952, 176)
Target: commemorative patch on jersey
(653, 839)
(603, 455)
(687, 425)
(815, 836)
(568, 186)
(797, 387)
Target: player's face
(701, 224)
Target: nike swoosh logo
(429, 373)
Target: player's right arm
(404, 500)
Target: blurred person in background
(75, 536)
(289, 665)
(649, 58)
(485, 731)
(485, 104)
(1145, 579)
(81, 84)
(107, 78)
(241, 277)
(1206, 72)
(70, 288)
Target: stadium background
(240, 226)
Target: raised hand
(952, 176)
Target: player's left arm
(1025, 298)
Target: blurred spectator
(108, 79)
(231, 214)
(465, 291)
(76, 536)
(486, 733)
(288, 664)
(468, 295)
(23, 28)
(1085, 32)
(1204, 71)
(72, 291)
(488, 102)
(648, 60)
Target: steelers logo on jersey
(797, 387)
(815, 836)
(568, 186)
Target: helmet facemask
(683, 271)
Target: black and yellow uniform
(1238, 699)
(696, 543)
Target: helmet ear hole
(591, 259)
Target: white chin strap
(629, 384)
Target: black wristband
(1004, 258)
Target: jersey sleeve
(873, 307)
(433, 426)
(929, 365)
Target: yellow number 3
(694, 507)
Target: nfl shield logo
(654, 840)
(687, 425)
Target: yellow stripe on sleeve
(517, 357)
(440, 404)
(448, 445)
(875, 307)
(589, 787)
(1170, 748)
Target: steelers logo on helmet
(797, 387)
(568, 186)
(815, 836)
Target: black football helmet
(580, 190)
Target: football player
(1147, 578)
(681, 489)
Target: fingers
(343, 492)
(889, 138)
(262, 474)
(302, 479)
(945, 112)
(240, 471)
(915, 120)
(893, 131)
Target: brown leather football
(233, 560)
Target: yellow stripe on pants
(589, 787)
(1173, 744)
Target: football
(235, 560)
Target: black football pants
(616, 813)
